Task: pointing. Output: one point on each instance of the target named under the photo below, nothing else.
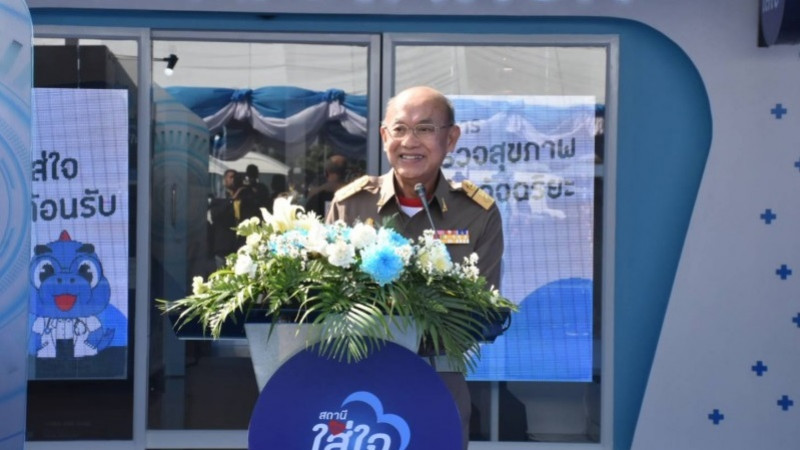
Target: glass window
(533, 120)
(532, 126)
(83, 239)
(236, 125)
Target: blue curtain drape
(284, 114)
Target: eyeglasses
(420, 130)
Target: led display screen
(79, 237)
(536, 156)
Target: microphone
(420, 190)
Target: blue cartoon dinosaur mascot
(69, 294)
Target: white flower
(304, 221)
(248, 226)
(469, 269)
(317, 238)
(434, 258)
(252, 240)
(198, 286)
(497, 299)
(341, 254)
(363, 235)
(473, 258)
(283, 215)
(427, 238)
(245, 266)
(252, 243)
(405, 252)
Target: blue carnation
(390, 237)
(381, 263)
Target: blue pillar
(16, 69)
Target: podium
(392, 400)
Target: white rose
(245, 266)
(341, 254)
(317, 238)
(363, 235)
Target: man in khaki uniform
(417, 133)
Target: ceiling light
(171, 60)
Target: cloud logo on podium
(361, 424)
(357, 407)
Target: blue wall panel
(15, 185)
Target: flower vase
(270, 349)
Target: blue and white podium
(392, 400)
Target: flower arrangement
(350, 280)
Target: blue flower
(274, 247)
(382, 263)
(289, 243)
(346, 234)
(392, 238)
(337, 233)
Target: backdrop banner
(79, 243)
(536, 156)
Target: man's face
(227, 180)
(415, 159)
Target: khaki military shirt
(464, 212)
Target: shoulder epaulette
(354, 186)
(477, 194)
